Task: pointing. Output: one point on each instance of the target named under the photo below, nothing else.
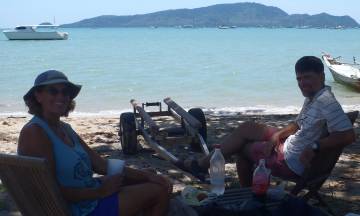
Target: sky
(30, 12)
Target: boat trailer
(140, 122)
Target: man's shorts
(276, 161)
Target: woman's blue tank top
(73, 165)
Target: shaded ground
(342, 190)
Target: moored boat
(344, 73)
(224, 27)
(35, 32)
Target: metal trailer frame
(153, 134)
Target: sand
(342, 190)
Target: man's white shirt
(320, 115)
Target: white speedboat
(344, 73)
(224, 27)
(35, 32)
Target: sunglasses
(54, 91)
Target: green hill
(238, 14)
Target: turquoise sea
(244, 69)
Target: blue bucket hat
(53, 77)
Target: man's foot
(192, 166)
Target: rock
(6, 123)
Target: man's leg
(247, 132)
(244, 168)
(251, 154)
(254, 151)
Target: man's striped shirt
(320, 115)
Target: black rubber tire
(127, 133)
(200, 116)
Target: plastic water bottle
(217, 172)
(278, 192)
(261, 179)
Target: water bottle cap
(217, 146)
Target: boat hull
(353, 83)
(343, 73)
(36, 35)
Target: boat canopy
(20, 27)
(35, 26)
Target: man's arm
(337, 139)
(338, 124)
(334, 140)
(285, 132)
(282, 134)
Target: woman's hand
(161, 180)
(111, 184)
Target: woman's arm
(99, 164)
(34, 142)
(133, 176)
(108, 186)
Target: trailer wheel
(127, 133)
(199, 115)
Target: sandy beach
(342, 190)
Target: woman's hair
(36, 109)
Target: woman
(73, 163)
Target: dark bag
(289, 206)
(295, 206)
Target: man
(289, 150)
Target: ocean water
(245, 69)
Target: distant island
(235, 15)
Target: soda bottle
(261, 179)
(217, 172)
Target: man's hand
(268, 148)
(274, 141)
(306, 156)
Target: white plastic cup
(115, 166)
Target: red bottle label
(260, 184)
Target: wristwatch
(315, 147)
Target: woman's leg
(148, 198)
